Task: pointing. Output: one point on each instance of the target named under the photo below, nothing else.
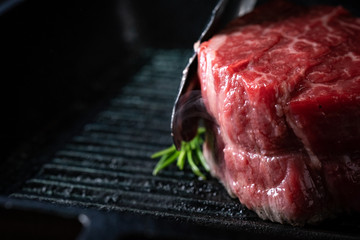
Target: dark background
(61, 58)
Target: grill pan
(97, 180)
(107, 166)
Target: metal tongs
(184, 118)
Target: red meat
(283, 86)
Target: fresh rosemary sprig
(190, 151)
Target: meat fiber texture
(283, 86)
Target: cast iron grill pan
(107, 165)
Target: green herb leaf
(190, 151)
(181, 159)
(163, 152)
(165, 161)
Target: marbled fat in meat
(283, 86)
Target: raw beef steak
(283, 86)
